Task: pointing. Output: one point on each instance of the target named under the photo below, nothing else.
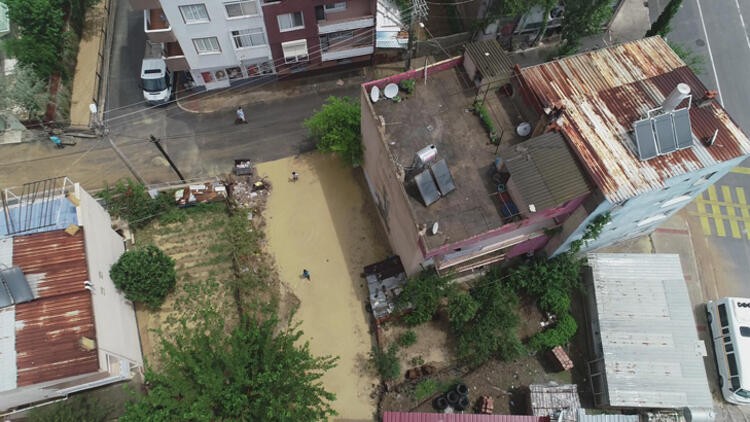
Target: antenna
(710, 141)
(434, 229)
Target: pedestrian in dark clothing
(306, 274)
(240, 116)
(295, 176)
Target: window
(238, 9)
(295, 51)
(207, 45)
(290, 21)
(194, 13)
(723, 317)
(744, 331)
(244, 38)
(335, 39)
(335, 7)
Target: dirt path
(325, 223)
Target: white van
(156, 81)
(729, 320)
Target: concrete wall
(388, 191)
(640, 215)
(114, 316)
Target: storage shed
(647, 354)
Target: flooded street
(326, 223)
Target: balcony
(343, 46)
(144, 4)
(174, 57)
(328, 26)
(357, 15)
(156, 26)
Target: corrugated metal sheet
(6, 251)
(605, 91)
(649, 340)
(491, 60)
(54, 261)
(583, 417)
(48, 330)
(456, 417)
(545, 171)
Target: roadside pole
(418, 11)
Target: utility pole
(418, 11)
(164, 153)
(102, 131)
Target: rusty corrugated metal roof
(457, 417)
(604, 91)
(49, 329)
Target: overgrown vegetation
(481, 110)
(386, 362)
(335, 128)
(408, 85)
(425, 388)
(693, 60)
(582, 18)
(422, 296)
(24, 90)
(146, 275)
(131, 201)
(661, 24)
(407, 338)
(75, 409)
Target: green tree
(421, 297)
(145, 275)
(461, 309)
(547, 6)
(40, 37)
(25, 90)
(582, 18)
(558, 335)
(386, 362)
(661, 24)
(254, 372)
(131, 201)
(335, 128)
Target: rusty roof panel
(458, 417)
(49, 329)
(55, 261)
(48, 334)
(604, 91)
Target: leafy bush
(555, 300)
(425, 389)
(484, 115)
(130, 200)
(558, 335)
(75, 409)
(407, 338)
(408, 85)
(461, 309)
(335, 128)
(386, 363)
(421, 296)
(145, 275)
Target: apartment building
(222, 42)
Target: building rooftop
(438, 113)
(457, 417)
(651, 353)
(41, 338)
(605, 91)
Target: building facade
(222, 42)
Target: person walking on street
(295, 176)
(306, 274)
(240, 116)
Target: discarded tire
(452, 398)
(463, 404)
(462, 389)
(440, 403)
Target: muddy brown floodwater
(326, 223)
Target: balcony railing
(328, 26)
(156, 26)
(345, 53)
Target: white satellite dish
(391, 90)
(375, 94)
(434, 228)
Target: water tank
(427, 154)
(675, 97)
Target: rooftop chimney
(675, 97)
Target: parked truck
(157, 81)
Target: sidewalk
(85, 80)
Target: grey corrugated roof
(545, 171)
(495, 66)
(583, 417)
(650, 345)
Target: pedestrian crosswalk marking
(734, 226)
(724, 211)
(741, 170)
(716, 210)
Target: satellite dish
(391, 90)
(375, 94)
(434, 228)
(523, 129)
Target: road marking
(742, 20)
(715, 210)
(710, 55)
(741, 170)
(703, 212)
(734, 226)
(743, 209)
